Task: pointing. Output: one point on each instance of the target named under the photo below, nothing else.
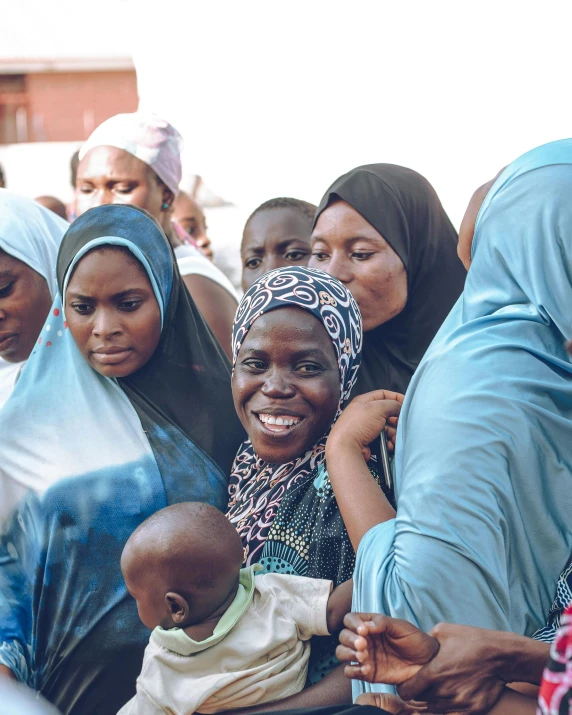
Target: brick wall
(67, 106)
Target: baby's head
(182, 564)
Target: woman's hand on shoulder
(363, 419)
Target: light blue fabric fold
(484, 449)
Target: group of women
(119, 399)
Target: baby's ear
(178, 608)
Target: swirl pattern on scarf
(256, 488)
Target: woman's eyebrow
(254, 351)
(352, 240)
(308, 352)
(256, 250)
(115, 296)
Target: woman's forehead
(299, 326)
(110, 160)
(9, 264)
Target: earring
(165, 206)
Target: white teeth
(280, 421)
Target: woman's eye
(252, 263)
(6, 290)
(296, 255)
(82, 308)
(308, 368)
(320, 255)
(124, 188)
(255, 364)
(130, 304)
(85, 189)
(362, 255)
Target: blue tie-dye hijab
(85, 459)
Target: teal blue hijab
(484, 453)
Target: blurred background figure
(136, 159)
(74, 162)
(53, 204)
(188, 213)
(2, 179)
(276, 234)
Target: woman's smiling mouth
(278, 423)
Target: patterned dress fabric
(562, 601)
(555, 695)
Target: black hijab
(404, 208)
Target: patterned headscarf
(256, 488)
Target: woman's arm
(361, 502)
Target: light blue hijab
(484, 453)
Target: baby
(222, 639)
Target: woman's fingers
(352, 640)
(355, 672)
(358, 622)
(348, 655)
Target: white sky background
(281, 97)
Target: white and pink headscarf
(146, 136)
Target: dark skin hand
(386, 650)
(451, 669)
(362, 503)
(472, 668)
(510, 704)
(390, 703)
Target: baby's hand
(381, 649)
(364, 418)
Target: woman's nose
(105, 324)
(339, 267)
(277, 384)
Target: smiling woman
(297, 348)
(124, 408)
